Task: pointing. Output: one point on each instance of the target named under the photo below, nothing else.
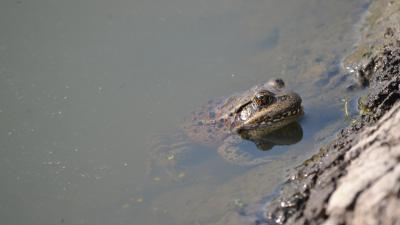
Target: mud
(306, 198)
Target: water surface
(84, 84)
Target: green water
(84, 84)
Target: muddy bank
(356, 178)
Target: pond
(87, 85)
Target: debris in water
(181, 175)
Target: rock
(356, 178)
(369, 191)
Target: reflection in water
(172, 153)
(288, 135)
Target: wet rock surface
(356, 178)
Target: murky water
(84, 84)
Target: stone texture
(355, 179)
(372, 177)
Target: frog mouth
(286, 109)
(277, 119)
(292, 113)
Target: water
(84, 84)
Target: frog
(256, 114)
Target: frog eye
(264, 97)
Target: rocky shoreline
(356, 178)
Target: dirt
(355, 178)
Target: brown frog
(223, 124)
